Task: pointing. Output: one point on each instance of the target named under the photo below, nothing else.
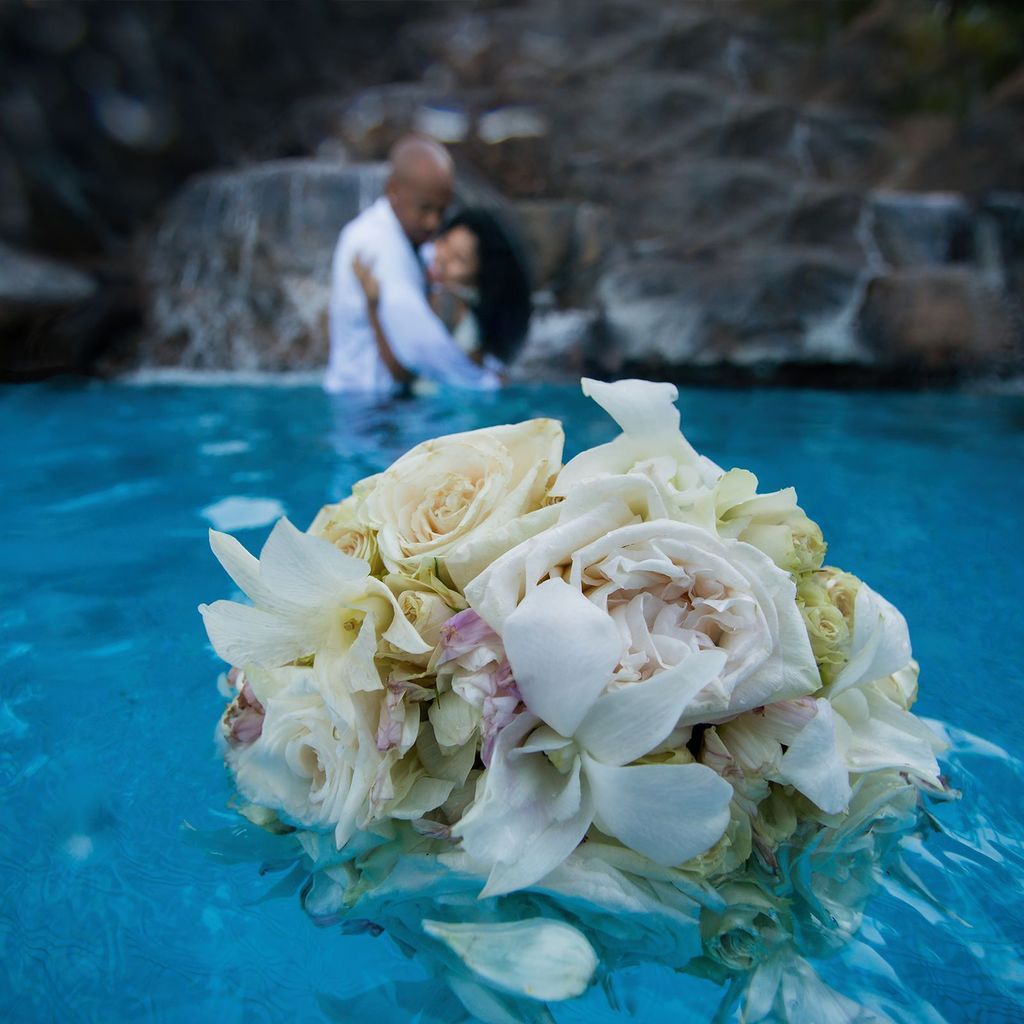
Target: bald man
(387, 236)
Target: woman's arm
(371, 289)
(451, 309)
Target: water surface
(108, 703)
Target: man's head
(419, 187)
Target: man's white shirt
(419, 340)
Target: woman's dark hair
(503, 283)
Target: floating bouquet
(538, 721)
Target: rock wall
(763, 190)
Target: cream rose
(446, 493)
(309, 763)
(774, 523)
(827, 600)
(341, 525)
(669, 590)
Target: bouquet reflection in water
(538, 722)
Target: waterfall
(798, 146)
(734, 58)
(239, 273)
(834, 338)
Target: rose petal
(638, 406)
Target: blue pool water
(108, 699)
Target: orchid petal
(528, 829)
(306, 570)
(626, 723)
(544, 852)
(527, 816)
(538, 958)
(239, 564)
(884, 735)
(241, 634)
(638, 406)
(541, 740)
(360, 668)
(814, 762)
(562, 650)
(668, 812)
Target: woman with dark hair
(479, 289)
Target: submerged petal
(562, 650)
(539, 958)
(669, 812)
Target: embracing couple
(403, 310)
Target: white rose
(773, 523)
(341, 525)
(668, 590)
(446, 492)
(309, 763)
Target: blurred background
(822, 192)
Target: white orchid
(308, 599)
(860, 725)
(650, 445)
(567, 763)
